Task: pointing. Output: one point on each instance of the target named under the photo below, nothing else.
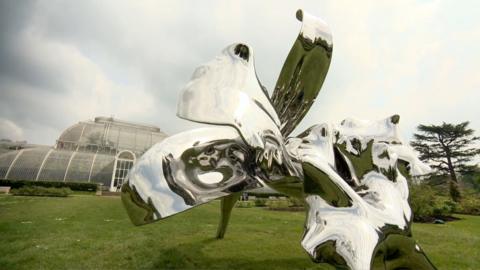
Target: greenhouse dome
(99, 151)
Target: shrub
(41, 191)
(77, 186)
(469, 205)
(421, 201)
(245, 204)
(260, 202)
(472, 180)
(443, 205)
(295, 202)
(426, 204)
(263, 195)
(276, 204)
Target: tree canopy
(449, 149)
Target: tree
(472, 179)
(448, 148)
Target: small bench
(5, 190)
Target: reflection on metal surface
(189, 169)
(351, 176)
(226, 91)
(303, 73)
(348, 221)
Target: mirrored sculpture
(352, 176)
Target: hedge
(469, 205)
(244, 204)
(41, 191)
(264, 195)
(77, 186)
(260, 202)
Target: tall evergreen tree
(448, 148)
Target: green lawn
(89, 232)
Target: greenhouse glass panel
(72, 134)
(67, 145)
(112, 137)
(27, 164)
(143, 141)
(127, 138)
(79, 169)
(93, 134)
(55, 166)
(5, 162)
(91, 148)
(102, 169)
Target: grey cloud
(63, 61)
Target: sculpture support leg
(226, 207)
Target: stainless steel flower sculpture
(351, 176)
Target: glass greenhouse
(100, 151)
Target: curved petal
(355, 136)
(356, 223)
(226, 91)
(303, 72)
(186, 170)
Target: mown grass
(89, 232)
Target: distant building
(100, 151)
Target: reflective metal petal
(226, 91)
(186, 170)
(303, 72)
(357, 224)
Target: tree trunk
(455, 191)
(453, 186)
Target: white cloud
(8, 130)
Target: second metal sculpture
(352, 176)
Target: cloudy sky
(66, 61)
